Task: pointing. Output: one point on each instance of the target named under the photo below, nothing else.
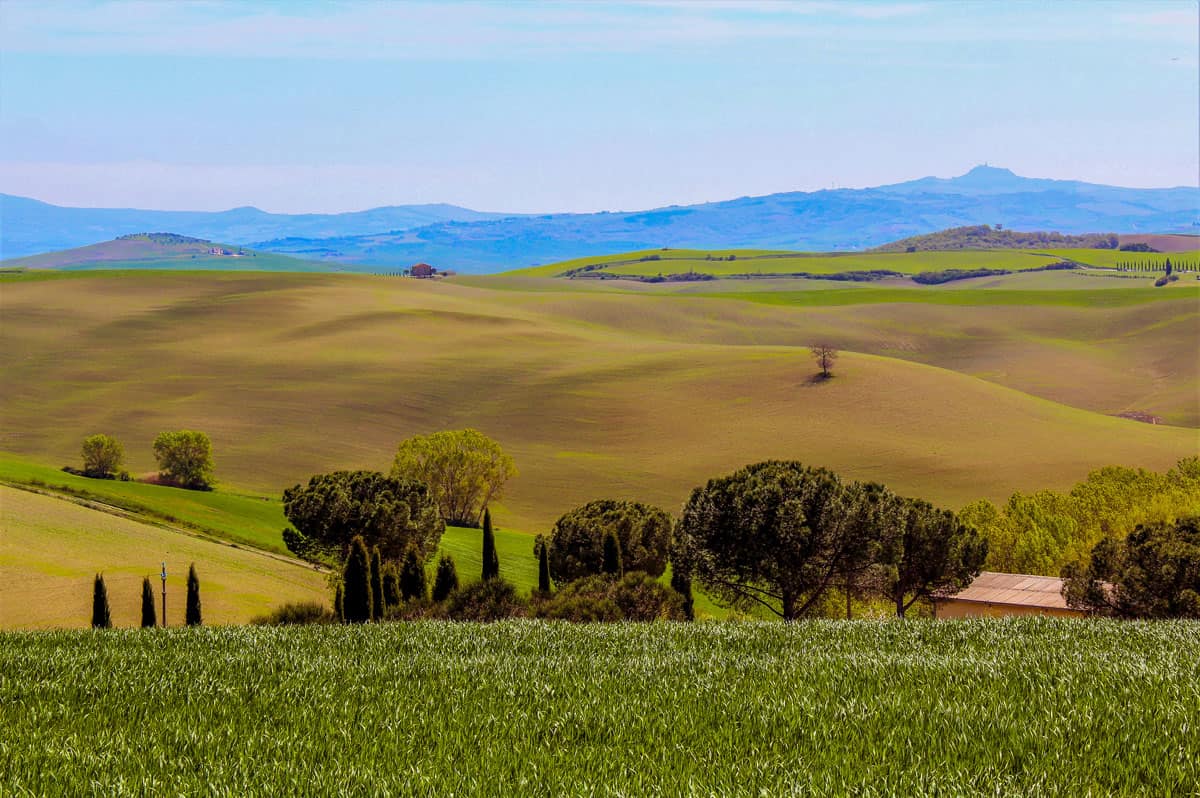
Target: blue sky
(581, 106)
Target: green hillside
(163, 251)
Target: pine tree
(491, 560)
(193, 598)
(101, 617)
(412, 576)
(611, 563)
(376, 585)
(391, 586)
(356, 597)
(544, 568)
(149, 617)
(339, 611)
(446, 581)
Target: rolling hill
(950, 394)
(164, 251)
(28, 226)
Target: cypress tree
(356, 596)
(1168, 266)
(391, 586)
(491, 560)
(149, 617)
(101, 617)
(338, 602)
(376, 585)
(683, 586)
(412, 576)
(446, 581)
(544, 568)
(611, 564)
(193, 597)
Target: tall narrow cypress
(682, 585)
(412, 576)
(391, 586)
(491, 560)
(338, 603)
(544, 568)
(193, 597)
(356, 598)
(446, 580)
(376, 585)
(101, 617)
(611, 564)
(149, 616)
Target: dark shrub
(446, 580)
(634, 597)
(296, 614)
(489, 600)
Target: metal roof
(1020, 589)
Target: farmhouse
(422, 270)
(993, 595)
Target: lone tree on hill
(412, 576)
(332, 509)
(102, 456)
(185, 459)
(193, 597)
(101, 617)
(149, 616)
(446, 581)
(825, 355)
(491, 560)
(356, 593)
(464, 469)
(376, 585)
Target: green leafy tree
(464, 469)
(102, 456)
(185, 459)
(491, 560)
(357, 600)
(611, 557)
(446, 580)
(412, 577)
(1154, 572)
(681, 583)
(376, 585)
(332, 509)
(577, 540)
(149, 616)
(870, 527)
(767, 535)
(936, 553)
(192, 611)
(101, 616)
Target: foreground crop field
(1034, 707)
(630, 394)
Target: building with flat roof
(994, 595)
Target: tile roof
(1022, 589)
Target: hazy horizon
(561, 107)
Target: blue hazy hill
(467, 241)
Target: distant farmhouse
(993, 595)
(422, 270)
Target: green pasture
(971, 708)
(1083, 297)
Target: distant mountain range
(469, 241)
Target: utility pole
(164, 581)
